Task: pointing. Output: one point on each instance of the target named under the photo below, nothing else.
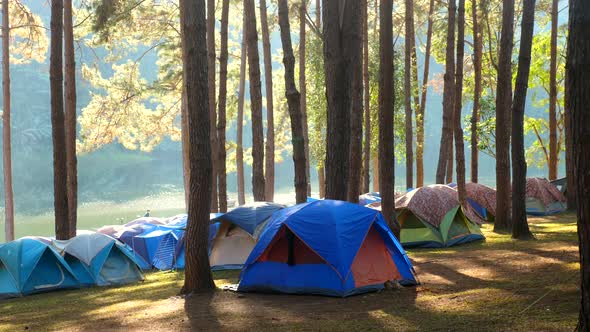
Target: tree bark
(293, 100)
(553, 153)
(62, 227)
(212, 108)
(409, 28)
(194, 54)
(185, 148)
(221, 112)
(420, 116)
(256, 102)
(341, 44)
(269, 172)
(366, 100)
(356, 121)
(386, 104)
(578, 99)
(477, 63)
(446, 140)
(503, 107)
(520, 227)
(458, 131)
(240, 120)
(6, 126)
(303, 89)
(570, 193)
(70, 118)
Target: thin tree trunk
(409, 27)
(293, 99)
(503, 107)
(318, 14)
(578, 99)
(451, 161)
(477, 63)
(185, 148)
(386, 104)
(240, 120)
(376, 173)
(341, 44)
(256, 102)
(446, 141)
(194, 54)
(459, 147)
(270, 127)
(62, 227)
(356, 122)
(7, 141)
(520, 227)
(321, 182)
(367, 100)
(553, 153)
(221, 112)
(420, 116)
(70, 117)
(212, 108)
(303, 89)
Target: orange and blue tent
(325, 247)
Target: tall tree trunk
(60, 197)
(356, 122)
(569, 157)
(367, 100)
(409, 27)
(7, 145)
(376, 173)
(553, 153)
(194, 55)
(293, 99)
(446, 141)
(256, 102)
(459, 147)
(450, 160)
(341, 44)
(322, 182)
(386, 104)
(185, 148)
(212, 109)
(503, 107)
(70, 118)
(221, 112)
(303, 89)
(477, 62)
(420, 116)
(520, 227)
(578, 99)
(240, 120)
(270, 127)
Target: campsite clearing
(500, 284)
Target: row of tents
(36, 264)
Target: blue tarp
(29, 266)
(335, 231)
(249, 216)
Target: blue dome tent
(29, 266)
(98, 259)
(328, 248)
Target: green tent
(431, 217)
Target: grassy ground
(500, 284)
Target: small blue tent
(29, 266)
(328, 248)
(98, 259)
(128, 236)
